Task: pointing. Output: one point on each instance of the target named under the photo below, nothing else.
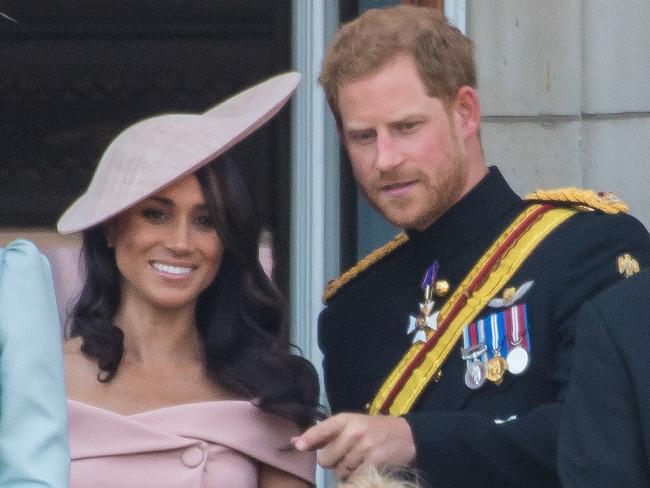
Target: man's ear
(467, 109)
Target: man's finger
(340, 451)
(347, 465)
(342, 472)
(319, 435)
(359, 470)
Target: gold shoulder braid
(585, 199)
(335, 285)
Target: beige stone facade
(565, 93)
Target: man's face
(406, 153)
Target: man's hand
(349, 442)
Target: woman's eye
(153, 215)
(205, 221)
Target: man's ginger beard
(444, 192)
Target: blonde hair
(443, 55)
(386, 478)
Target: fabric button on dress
(192, 457)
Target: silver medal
(475, 374)
(517, 360)
(475, 369)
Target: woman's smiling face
(166, 247)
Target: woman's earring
(108, 234)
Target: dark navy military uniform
(605, 428)
(498, 435)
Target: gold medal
(496, 368)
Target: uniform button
(441, 287)
(192, 457)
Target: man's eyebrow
(355, 127)
(405, 116)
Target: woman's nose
(179, 240)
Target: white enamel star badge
(426, 319)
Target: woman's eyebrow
(164, 201)
(169, 203)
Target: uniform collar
(480, 214)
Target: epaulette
(335, 285)
(584, 199)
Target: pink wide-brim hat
(155, 152)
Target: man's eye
(362, 137)
(407, 126)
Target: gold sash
(491, 273)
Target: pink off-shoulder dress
(215, 444)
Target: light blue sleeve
(33, 428)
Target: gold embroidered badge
(627, 265)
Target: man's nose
(388, 155)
